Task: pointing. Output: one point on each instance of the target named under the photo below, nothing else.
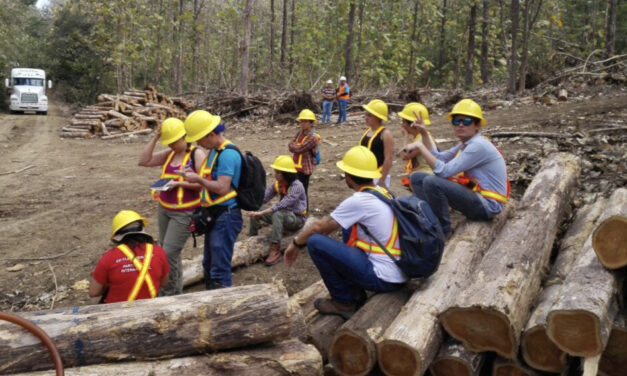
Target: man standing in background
(328, 96)
(343, 95)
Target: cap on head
(378, 108)
(413, 109)
(360, 161)
(123, 219)
(467, 107)
(306, 115)
(284, 163)
(172, 129)
(200, 123)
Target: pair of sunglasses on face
(465, 121)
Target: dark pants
(219, 243)
(305, 180)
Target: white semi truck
(28, 90)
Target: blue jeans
(345, 269)
(439, 193)
(327, 107)
(342, 103)
(219, 244)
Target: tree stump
(609, 240)
(495, 307)
(453, 359)
(537, 349)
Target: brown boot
(328, 306)
(274, 256)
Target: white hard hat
(343, 78)
(329, 81)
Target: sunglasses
(465, 121)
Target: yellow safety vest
(142, 269)
(205, 173)
(180, 191)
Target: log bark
(580, 322)
(508, 367)
(491, 313)
(320, 331)
(537, 349)
(173, 326)
(413, 339)
(453, 359)
(614, 358)
(353, 350)
(143, 131)
(117, 115)
(290, 357)
(306, 297)
(609, 240)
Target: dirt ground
(59, 195)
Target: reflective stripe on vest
(374, 135)
(180, 203)
(368, 247)
(142, 269)
(205, 173)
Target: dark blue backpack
(420, 235)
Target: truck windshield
(21, 81)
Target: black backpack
(252, 181)
(420, 235)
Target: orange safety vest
(180, 191)
(473, 184)
(341, 93)
(205, 173)
(368, 247)
(298, 161)
(142, 269)
(282, 189)
(374, 135)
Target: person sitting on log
(289, 213)
(378, 139)
(304, 147)
(357, 263)
(471, 177)
(135, 269)
(413, 161)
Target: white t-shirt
(377, 217)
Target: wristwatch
(300, 246)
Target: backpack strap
(232, 147)
(376, 240)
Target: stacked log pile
(131, 111)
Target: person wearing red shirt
(135, 269)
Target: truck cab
(28, 90)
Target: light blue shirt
(229, 164)
(481, 161)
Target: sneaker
(212, 284)
(328, 306)
(274, 256)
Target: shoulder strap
(376, 240)
(232, 147)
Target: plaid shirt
(304, 145)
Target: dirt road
(59, 195)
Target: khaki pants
(280, 221)
(173, 233)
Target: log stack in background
(130, 111)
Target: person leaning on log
(135, 269)
(471, 177)
(289, 213)
(218, 194)
(413, 161)
(304, 147)
(177, 203)
(378, 139)
(358, 263)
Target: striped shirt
(328, 94)
(295, 200)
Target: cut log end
(541, 353)
(450, 366)
(614, 359)
(351, 355)
(481, 330)
(510, 370)
(576, 332)
(398, 359)
(609, 241)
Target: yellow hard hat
(172, 129)
(467, 107)
(306, 115)
(359, 161)
(284, 163)
(418, 109)
(123, 218)
(378, 108)
(200, 123)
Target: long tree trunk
(442, 53)
(413, 339)
(412, 44)
(198, 4)
(360, 17)
(455, 359)
(292, 33)
(272, 37)
(172, 326)
(156, 78)
(245, 50)
(513, 57)
(536, 347)
(491, 313)
(290, 357)
(348, 50)
(529, 18)
(284, 34)
(610, 33)
(610, 238)
(470, 53)
(485, 40)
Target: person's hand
(173, 184)
(255, 214)
(419, 123)
(290, 255)
(158, 132)
(191, 176)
